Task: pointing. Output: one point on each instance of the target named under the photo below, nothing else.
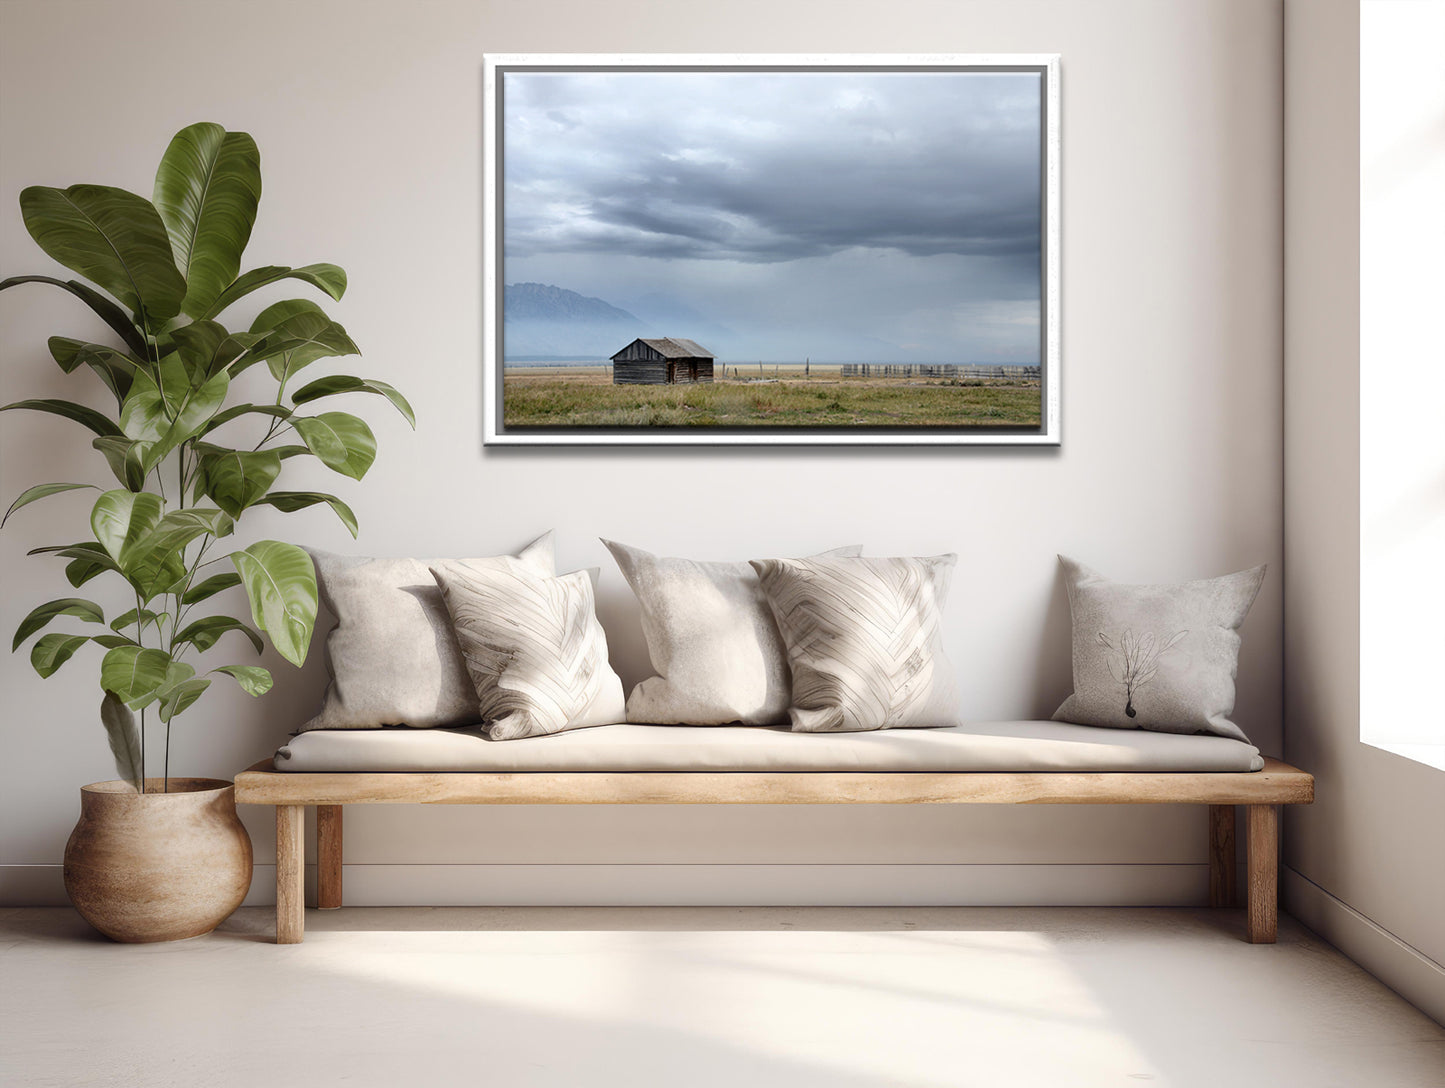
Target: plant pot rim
(155, 787)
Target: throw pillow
(392, 656)
(712, 639)
(535, 652)
(1159, 657)
(864, 640)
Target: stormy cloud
(869, 209)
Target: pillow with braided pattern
(536, 654)
(865, 641)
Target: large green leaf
(328, 277)
(210, 587)
(103, 307)
(126, 523)
(207, 188)
(207, 348)
(276, 315)
(345, 383)
(123, 455)
(110, 642)
(73, 551)
(87, 417)
(176, 698)
(115, 368)
(143, 416)
(150, 560)
(254, 680)
(172, 689)
(173, 382)
(204, 633)
(287, 501)
(52, 651)
(275, 411)
(124, 737)
(89, 558)
(80, 571)
(144, 617)
(293, 334)
(194, 411)
(236, 479)
(41, 491)
(121, 518)
(113, 238)
(134, 674)
(342, 441)
(41, 615)
(280, 582)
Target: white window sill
(1432, 755)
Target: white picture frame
(498, 67)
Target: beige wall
(1366, 862)
(368, 117)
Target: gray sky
(832, 215)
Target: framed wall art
(773, 250)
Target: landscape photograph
(820, 250)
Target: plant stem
(140, 641)
(181, 607)
(280, 392)
(142, 750)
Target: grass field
(776, 396)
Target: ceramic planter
(157, 866)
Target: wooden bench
(1259, 791)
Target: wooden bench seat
(1259, 791)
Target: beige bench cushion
(976, 747)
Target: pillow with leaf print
(1156, 657)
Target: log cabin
(665, 361)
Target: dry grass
(586, 397)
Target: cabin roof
(691, 348)
(675, 347)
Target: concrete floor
(696, 998)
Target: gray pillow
(865, 641)
(1160, 657)
(712, 640)
(392, 655)
(536, 654)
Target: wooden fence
(940, 370)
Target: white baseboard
(1402, 967)
(1165, 885)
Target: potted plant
(163, 858)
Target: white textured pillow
(392, 656)
(1160, 657)
(712, 640)
(865, 641)
(536, 654)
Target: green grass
(592, 401)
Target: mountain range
(545, 322)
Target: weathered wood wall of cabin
(639, 372)
(638, 364)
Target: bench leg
(290, 874)
(1263, 863)
(328, 856)
(1221, 856)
